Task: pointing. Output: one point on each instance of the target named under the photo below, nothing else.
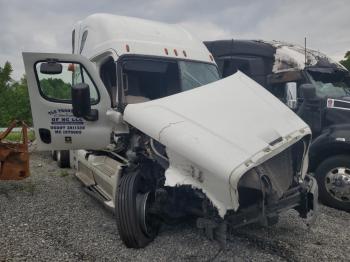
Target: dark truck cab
(314, 87)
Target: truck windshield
(195, 74)
(148, 79)
(333, 85)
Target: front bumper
(303, 198)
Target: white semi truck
(157, 137)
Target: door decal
(64, 123)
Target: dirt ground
(48, 217)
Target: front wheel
(63, 160)
(136, 225)
(54, 155)
(333, 178)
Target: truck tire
(136, 228)
(54, 155)
(63, 160)
(333, 178)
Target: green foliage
(17, 136)
(346, 61)
(64, 173)
(14, 98)
(5, 76)
(55, 88)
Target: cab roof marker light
(127, 47)
(184, 52)
(166, 51)
(175, 52)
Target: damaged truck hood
(215, 133)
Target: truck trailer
(155, 135)
(313, 86)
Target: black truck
(313, 86)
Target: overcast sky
(45, 25)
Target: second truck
(313, 86)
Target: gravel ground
(48, 217)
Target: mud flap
(14, 157)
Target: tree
(5, 76)
(55, 88)
(346, 61)
(20, 98)
(14, 98)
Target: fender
(334, 140)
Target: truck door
(50, 78)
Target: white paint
(214, 131)
(111, 33)
(96, 134)
(107, 35)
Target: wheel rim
(337, 182)
(148, 222)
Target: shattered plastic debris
(289, 56)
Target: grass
(29, 187)
(15, 186)
(17, 136)
(64, 173)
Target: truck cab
(149, 127)
(313, 86)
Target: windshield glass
(146, 79)
(333, 85)
(195, 74)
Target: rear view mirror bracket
(92, 116)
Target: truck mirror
(308, 91)
(291, 94)
(51, 68)
(81, 102)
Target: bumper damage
(302, 198)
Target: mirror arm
(92, 116)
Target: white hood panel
(213, 130)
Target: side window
(55, 83)
(228, 68)
(73, 41)
(108, 74)
(83, 40)
(241, 64)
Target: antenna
(305, 50)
